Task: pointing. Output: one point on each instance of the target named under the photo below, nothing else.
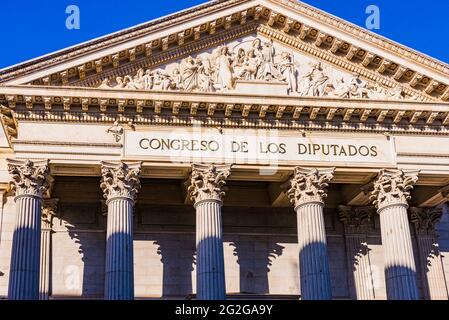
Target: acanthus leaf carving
(120, 180)
(207, 182)
(425, 219)
(309, 185)
(49, 211)
(29, 177)
(393, 187)
(356, 218)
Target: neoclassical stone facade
(240, 149)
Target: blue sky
(34, 28)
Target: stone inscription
(253, 147)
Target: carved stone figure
(395, 93)
(267, 70)
(148, 80)
(205, 82)
(341, 89)
(120, 83)
(314, 82)
(225, 79)
(248, 69)
(104, 84)
(219, 70)
(189, 71)
(177, 79)
(288, 71)
(358, 87)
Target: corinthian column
(120, 184)
(357, 223)
(49, 209)
(391, 193)
(206, 190)
(432, 272)
(29, 181)
(307, 193)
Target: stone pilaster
(357, 222)
(29, 182)
(49, 210)
(391, 194)
(120, 184)
(308, 191)
(432, 272)
(206, 191)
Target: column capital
(207, 182)
(393, 187)
(356, 219)
(425, 219)
(49, 210)
(309, 185)
(30, 178)
(120, 180)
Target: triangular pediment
(213, 48)
(250, 64)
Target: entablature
(36, 103)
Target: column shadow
(90, 242)
(177, 265)
(254, 260)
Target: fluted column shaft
(360, 266)
(206, 191)
(44, 279)
(313, 258)
(49, 209)
(357, 223)
(432, 268)
(432, 271)
(120, 184)
(307, 192)
(24, 269)
(210, 259)
(30, 181)
(391, 194)
(400, 269)
(119, 250)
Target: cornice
(87, 105)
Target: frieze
(253, 60)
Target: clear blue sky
(32, 28)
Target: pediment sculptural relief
(253, 61)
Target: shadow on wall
(177, 256)
(255, 259)
(85, 226)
